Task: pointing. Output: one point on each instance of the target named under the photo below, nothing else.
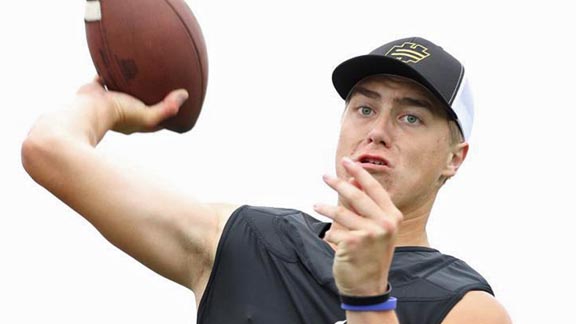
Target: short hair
(456, 136)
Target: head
(400, 126)
(403, 136)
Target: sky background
(268, 132)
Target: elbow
(37, 152)
(31, 153)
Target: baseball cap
(422, 61)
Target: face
(400, 134)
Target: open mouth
(365, 159)
(373, 161)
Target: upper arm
(165, 230)
(478, 307)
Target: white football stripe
(93, 11)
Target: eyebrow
(404, 101)
(363, 91)
(407, 101)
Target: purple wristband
(390, 304)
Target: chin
(384, 180)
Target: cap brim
(352, 71)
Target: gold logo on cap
(408, 52)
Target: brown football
(147, 48)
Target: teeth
(377, 162)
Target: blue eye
(411, 119)
(366, 111)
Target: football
(147, 48)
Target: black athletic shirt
(272, 267)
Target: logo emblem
(408, 52)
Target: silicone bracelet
(366, 300)
(390, 304)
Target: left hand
(364, 232)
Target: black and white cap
(422, 61)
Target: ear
(455, 159)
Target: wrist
(93, 118)
(365, 288)
(382, 302)
(388, 305)
(371, 317)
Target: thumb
(167, 107)
(172, 102)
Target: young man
(403, 134)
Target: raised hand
(129, 114)
(363, 233)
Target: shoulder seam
(444, 264)
(459, 294)
(265, 243)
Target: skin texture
(379, 207)
(168, 231)
(398, 125)
(417, 151)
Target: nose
(380, 131)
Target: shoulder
(273, 228)
(449, 275)
(433, 285)
(478, 307)
(263, 218)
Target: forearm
(385, 317)
(59, 139)
(365, 224)
(90, 121)
(163, 229)
(82, 121)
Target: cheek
(427, 164)
(425, 159)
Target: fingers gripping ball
(146, 48)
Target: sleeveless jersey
(272, 267)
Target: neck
(413, 230)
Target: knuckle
(340, 212)
(398, 217)
(354, 240)
(371, 235)
(150, 121)
(386, 226)
(329, 236)
(379, 233)
(355, 195)
(390, 221)
(382, 222)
